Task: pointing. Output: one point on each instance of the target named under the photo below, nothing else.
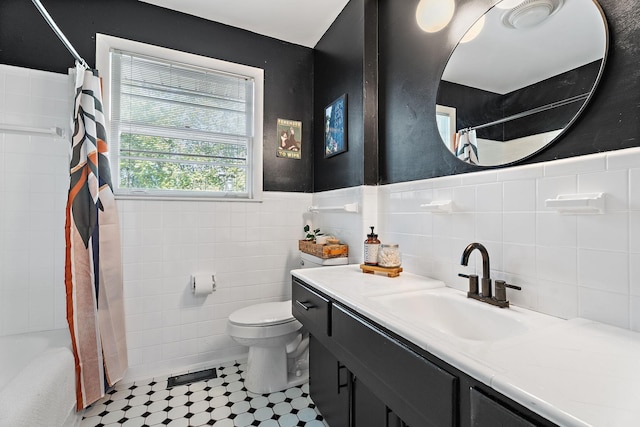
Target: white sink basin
(449, 311)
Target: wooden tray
(323, 251)
(389, 271)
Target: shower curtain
(93, 269)
(467, 146)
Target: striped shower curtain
(93, 269)
(467, 146)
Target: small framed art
(335, 127)
(289, 139)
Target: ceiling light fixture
(434, 15)
(530, 13)
(474, 31)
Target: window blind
(180, 128)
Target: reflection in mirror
(522, 80)
(446, 118)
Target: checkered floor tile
(221, 402)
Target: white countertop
(573, 372)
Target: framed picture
(335, 127)
(289, 139)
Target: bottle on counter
(371, 246)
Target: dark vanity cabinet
(362, 375)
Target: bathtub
(37, 380)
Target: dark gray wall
(346, 61)
(27, 41)
(401, 141)
(411, 64)
(338, 59)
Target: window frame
(105, 44)
(450, 112)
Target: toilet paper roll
(321, 240)
(203, 284)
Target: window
(181, 125)
(446, 121)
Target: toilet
(274, 339)
(278, 346)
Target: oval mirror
(519, 77)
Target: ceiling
(302, 22)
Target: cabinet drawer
(418, 391)
(310, 308)
(486, 412)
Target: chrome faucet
(485, 295)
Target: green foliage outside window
(151, 162)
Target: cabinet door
(329, 384)
(486, 412)
(368, 410)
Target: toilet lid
(270, 313)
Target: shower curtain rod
(530, 112)
(59, 33)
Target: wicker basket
(323, 251)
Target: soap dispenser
(371, 246)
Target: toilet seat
(266, 314)
(266, 320)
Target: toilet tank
(310, 261)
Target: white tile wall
(34, 173)
(250, 247)
(568, 265)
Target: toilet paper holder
(201, 284)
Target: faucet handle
(501, 290)
(473, 283)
